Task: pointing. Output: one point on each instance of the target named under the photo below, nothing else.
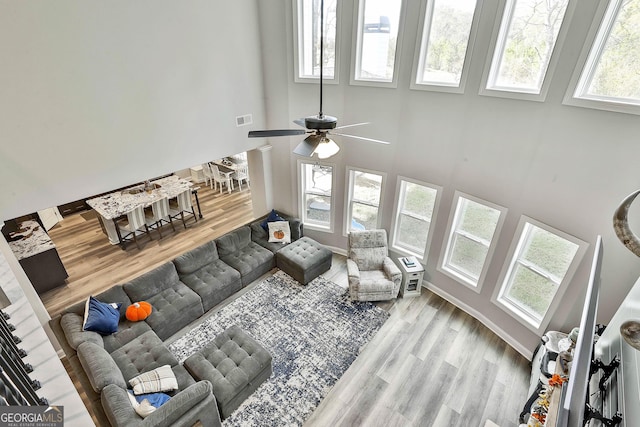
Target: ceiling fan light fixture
(326, 148)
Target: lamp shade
(326, 148)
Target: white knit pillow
(160, 379)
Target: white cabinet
(412, 274)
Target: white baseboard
(335, 250)
(526, 352)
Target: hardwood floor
(93, 264)
(430, 365)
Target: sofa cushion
(100, 367)
(143, 354)
(272, 217)
(234, 241)
(261, 237)
(101, 317)
(113, 294)
(152, 282)
(197, 258)
(127, 332)
(214, 283)
(251, 261)
(174, 304)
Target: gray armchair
(372, 274)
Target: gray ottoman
(235, 364)
(304, 260)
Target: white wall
(567, 167)
(96, 95)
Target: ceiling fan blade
(362, 138)
(352, 125)
(308, 146)
(300, 122)
(277, 132)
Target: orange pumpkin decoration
(278, 234)
(138, 311)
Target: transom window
(471, 235)
(526, 40)
(445, 42)
(307, 25)
(364, 197)
(610, 73)
(413, 216)
(377, 40)
(316, 183)
(542, 264)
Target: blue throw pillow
(155, 399)
(101, 317)
(273, 216)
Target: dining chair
(183, 204)
(208, 174)
(222, 178)
(136, 223)
(159, 215)
(242, 173)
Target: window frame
(517, 243)
(356, 59)
(297, 78)
(498, 38)
(302, 209)
(348, 205)
(594, 45)
(399, 199)
(420, 52)
(443, 266)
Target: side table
(412, 273)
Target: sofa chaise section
(175, 305)
(202, 270)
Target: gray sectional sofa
(180, 292)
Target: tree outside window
(308, 27)
(365, 191)
(527, 37)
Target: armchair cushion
(368, 248)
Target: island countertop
(118, 203)
(34, 240)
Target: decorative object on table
(313, 332)
(138, 311)
(373, 276)
(630, 331)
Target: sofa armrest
(392, 271)
(176, 412)
(353, 272)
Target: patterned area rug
(313, 333)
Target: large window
(610, 75)
(528, 34)
(413, 216)
(316, 184)
(377, 40)
(542, 263)
(364, 199)
(307, 24)
(471, 236)
(446, 42)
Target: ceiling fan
(319, 126)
